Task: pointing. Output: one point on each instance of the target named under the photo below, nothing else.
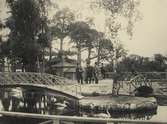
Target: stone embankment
(118, 104)
(98, 98)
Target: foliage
(80, 36)
(61, 24)
(122, 8)
(27, 24)
(104, 49)
(79, 33)
(138, 63)
(3, 46)
(119, 9)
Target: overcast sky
(150, 33)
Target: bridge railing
(57, 119)
(40, 79)
(74, 89)
(30, 77)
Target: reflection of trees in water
(125, 115)
(34, 101)
(58, 105)
(138, 115)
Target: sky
(150, 33)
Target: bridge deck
(40, 80)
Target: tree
(92, 38)
(60, 29)
(116, 8)
(1, 48)
(79, 35)
(104, 49)
(131, 63)
(160, 62)
(26, 23)
(136, 63)
(99, 45)
(62, 21)
(127, 9)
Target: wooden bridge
(31, 78)
(36, 91)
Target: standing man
(103, 71)
(79, 72)
(89, 73)
(96, 73)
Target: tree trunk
(61, 45)
(98, 54)
(50, 52)
(61, 57)
(115, 79)
(79, 55)
(89, 53)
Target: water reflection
(35, 101)
(29, 100)
(122, 115)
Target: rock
(143, 91)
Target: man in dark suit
(79, 72)
(89, 73)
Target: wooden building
(67, 68)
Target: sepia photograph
(83, 62)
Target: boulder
(143, 91)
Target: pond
(160, 115)
(58, 106)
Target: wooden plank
(17, 78)
(57, 80)
(8, 79)
(80, 119)
(28, 76)
(22, 77)
(37, 78)
(46, 80)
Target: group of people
(90, 74)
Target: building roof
(64, 64)
(69, 70)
